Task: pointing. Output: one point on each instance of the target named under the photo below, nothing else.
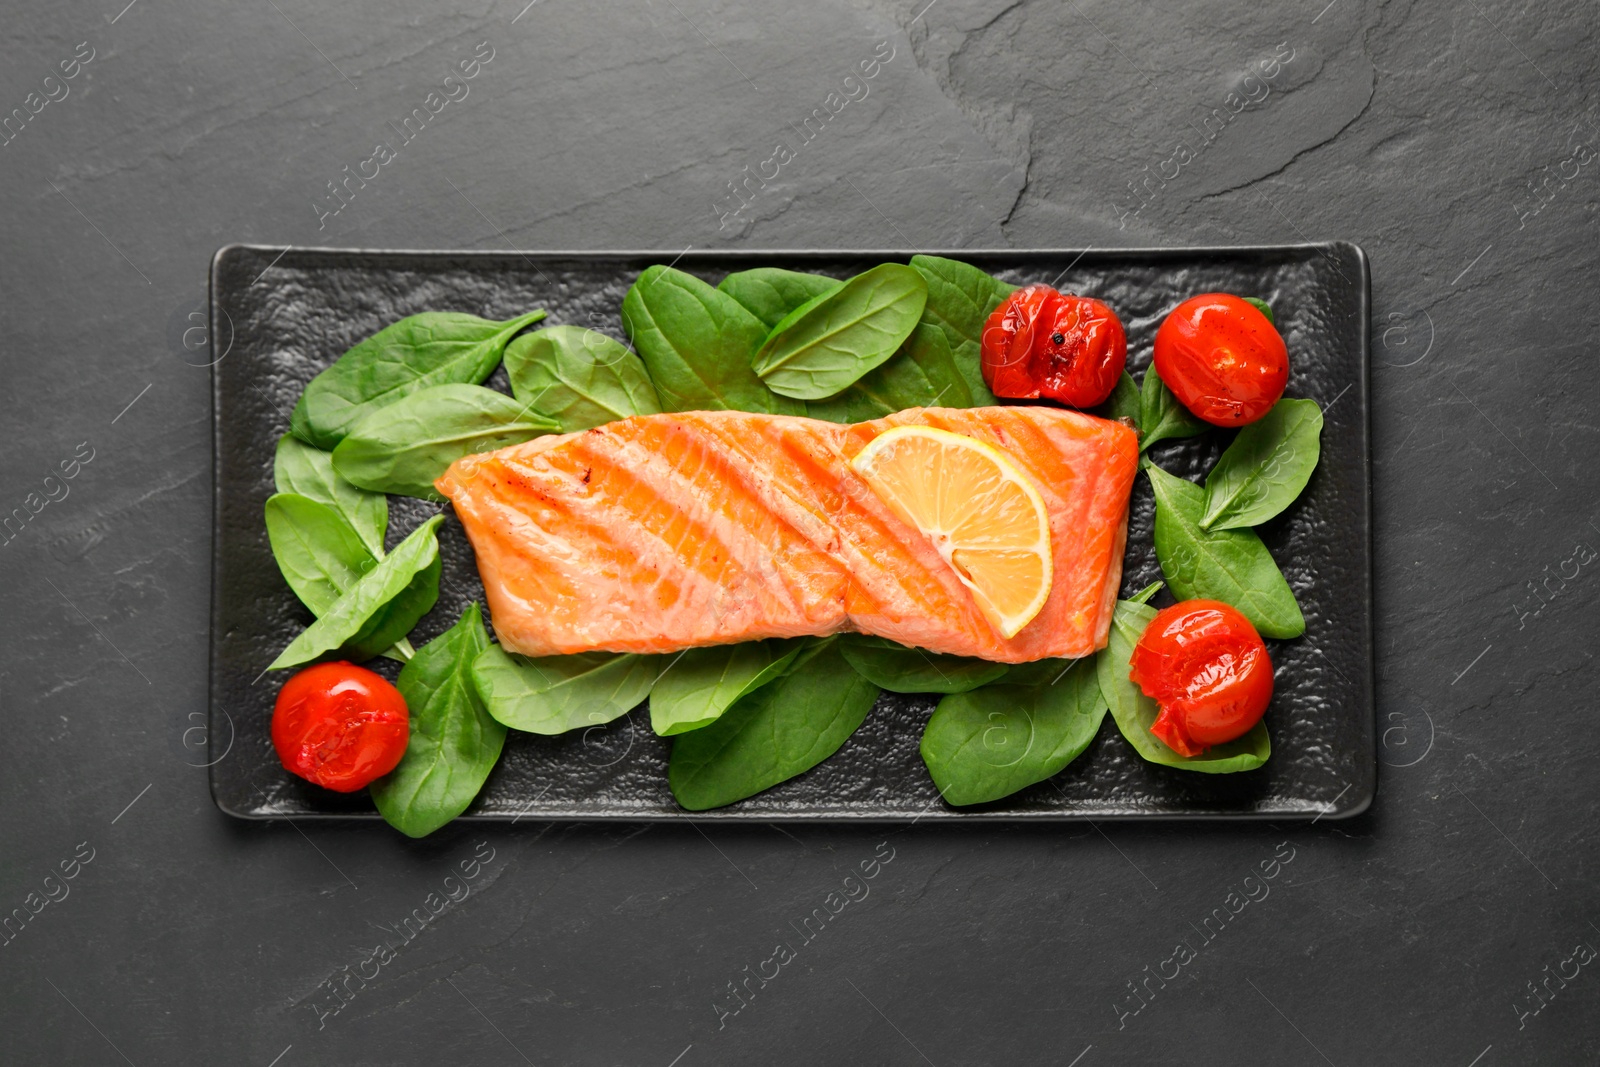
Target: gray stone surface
(1456, 143)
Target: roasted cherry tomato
(1209, 671)
(1043, 344)
(340, 726)
(1222, 358)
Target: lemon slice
(982, 514)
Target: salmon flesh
(663, 532)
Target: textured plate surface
(280, 317)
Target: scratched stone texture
(1454, 923)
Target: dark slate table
(1451, 924)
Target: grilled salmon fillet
(662, 532)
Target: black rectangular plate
(279, 317)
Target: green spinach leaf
(1232, 566)
(1162, 415)
(923, 374)
(385, 632)
(1124, 402)
(781, 730)
(696, 343)
(454, 743)
(321, 557)
(770, 293)
(319, 553)
(902, 669)
(833, 339)
(1134, 712)
(433, 348)
(1143, 596)
(403, 447)
(991, 742)
(390, 597)
(580, 378)
(1265, 467)
(702, 683)
(299, 468)
(554, 694)
(1263, 307)
(1037, 672)
(960, 300)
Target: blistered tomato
(1208, 670)
(340, 726)
(1043, 344)
(1222, 359)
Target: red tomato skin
(1207, 669)
(340, 726)
(1083, 367)
(1022, 360)
(1222, 359)
(1008, 340)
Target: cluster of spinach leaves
(790, 343)
(393, 413)
(388, 417)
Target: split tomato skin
(340, 726)
(1222, 358)
(1042, 344)
(1207, 669)
(1008, 341)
